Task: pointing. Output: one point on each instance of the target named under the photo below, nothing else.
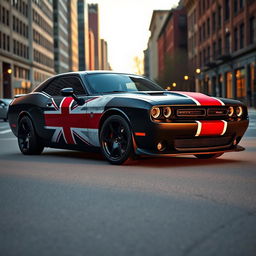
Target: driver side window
(55, 86)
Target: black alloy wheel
(208, 156)
(28, 141)
(116, 140)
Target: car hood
(176, 98)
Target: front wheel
(116, 140)
(208, 156)
(28, 141)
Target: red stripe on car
(201, 99)
(211, 128)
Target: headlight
(239, 111)
(230, 111)
(167, 111)
(155, 112)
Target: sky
(124, 24)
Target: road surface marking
(5, 131)
(252, 124)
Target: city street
(75, 203)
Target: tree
(138, 65)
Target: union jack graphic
(71, 122)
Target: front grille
(217, 112)
(201, 113)
(202, 143)
(191, 112)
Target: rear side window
(55, 86)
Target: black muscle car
(124, 115)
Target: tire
(116, 140)
(28, 141)
(208, 156)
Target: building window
(214, 50)
(241, 35)
(235, 6)
(241, 4)
(229, 84)
(227, 9)
(227, 43)
(252, 30)
(203, 2)
(208, 27)
(219, 46)
(236, 39)
(240, 84)
(213, 21)
(4, 41)
(204, 36)
(208, 53)
(219, 16)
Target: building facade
(73, 36)
(157, 21)
(222, 43)
(104, 55)
(26, 45)
(91, 51)
(93, 12)
(83, 35)
(61, 36)
(172, 50)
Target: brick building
(172, 49)
(222, 43)
(151, 59)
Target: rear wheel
(208, 156)
(116, 140)
(28, 141)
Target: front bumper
(140, 151)
(179, 139)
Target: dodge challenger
(124, 116)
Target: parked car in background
(4, 106)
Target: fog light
(161, 146)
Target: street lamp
(9, 71)
(198, 70)
(174, 84)
(186, 77)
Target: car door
(65, 119)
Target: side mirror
(70, 92)
(2, 105)
(67, 92)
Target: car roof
(93, 72)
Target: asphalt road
(73, 203)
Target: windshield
(107, 83)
